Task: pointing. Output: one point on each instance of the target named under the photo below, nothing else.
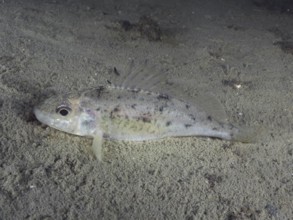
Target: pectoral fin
(97, 146)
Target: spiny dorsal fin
(139, 75)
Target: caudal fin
(248, 135)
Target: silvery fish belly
(129, 113)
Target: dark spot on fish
(192, 117)
(133, 106)
(109, 82)
(169, 83)
(144, 119)
(106, 136)
(147, 120)
(87, 123)
(135, 90)
(187, 125)
(118, 97)
(168, 123)
(209, 118)
(187, 106)
(161, 109)
(231, 135)
(99, 90)
(116, 109)
(116, 71)
(222, 125)
(230, 126)
(215, 129)
(113, 113)
(98, 109)
(162, 96)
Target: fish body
(123, 113)
(129, 114)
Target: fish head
(67, 114)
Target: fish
(136, 110)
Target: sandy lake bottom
(240, 52)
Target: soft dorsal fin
(211, 105)
(203, 101)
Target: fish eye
(63, 110)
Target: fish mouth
(46, 118)
(39, 115)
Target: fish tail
(247, 135)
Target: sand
(240, 51)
